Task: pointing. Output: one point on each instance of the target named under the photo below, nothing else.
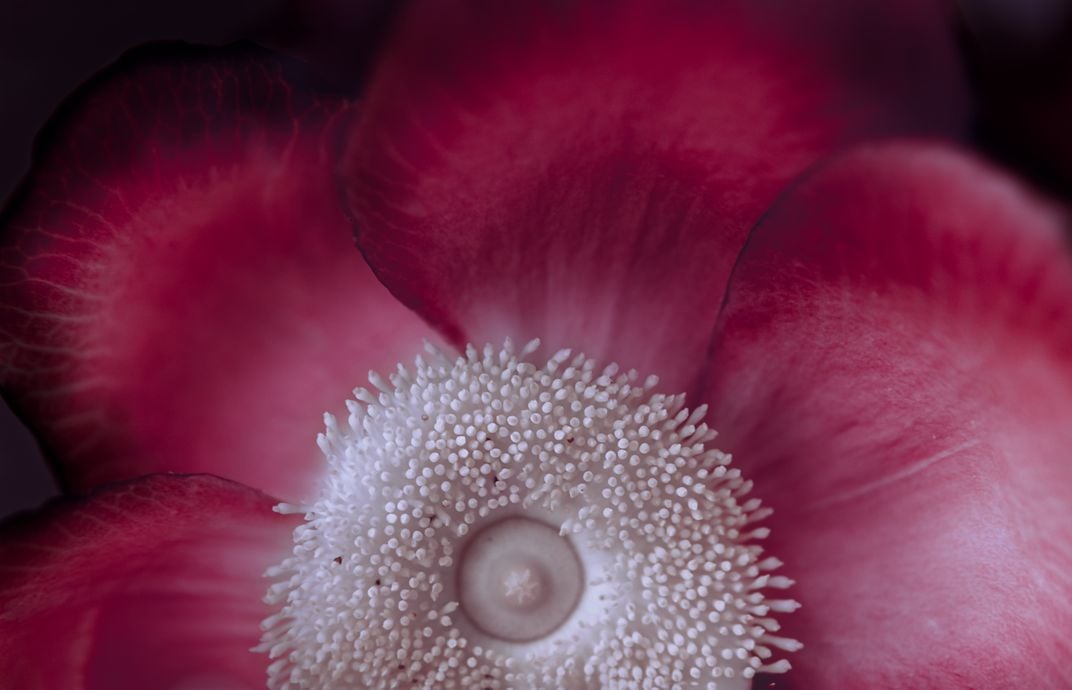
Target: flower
(886, 357)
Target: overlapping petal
(893, 368)
(154, 583)
(586, 172)
(892, 364)
(180, 291)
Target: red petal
(586, 173)
(180, 288)
(894, 370)
(155, 583)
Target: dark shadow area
(25, 480)
(48, 49)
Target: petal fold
(180, 291)
(586, 172)
(155, 583)
(893, 369)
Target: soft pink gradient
(587, 173)
(181, 292)
(893, 369)
(154, 583)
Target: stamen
(487, 523)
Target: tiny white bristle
(671, 576)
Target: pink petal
(894, 370)
(180, 288)
(586, 173)
(155, 583)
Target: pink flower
(881, 329)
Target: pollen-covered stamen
(485, 522)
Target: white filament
(675, 592)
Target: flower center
(518, 580)
(488, 523)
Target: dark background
(1019, 52)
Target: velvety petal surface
(586, 172)
(179, 290)
(893, 369)
(154, 583)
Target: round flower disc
(519, 579)
(488, 523)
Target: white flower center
(518, 579)
(487, 523)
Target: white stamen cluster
(674, 595)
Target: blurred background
(1017, 53)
